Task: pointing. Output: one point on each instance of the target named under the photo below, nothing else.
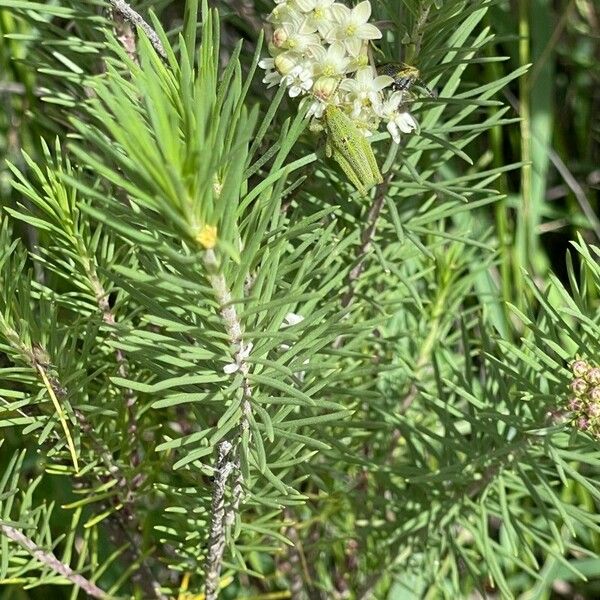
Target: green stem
(525, 222)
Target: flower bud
(594, 410)
(593, 376)
(579, 387)
(325, 87)
(594, 394)
(583, 423)
(575, 404)
(285, 62)
(280, 37)
(579, 368)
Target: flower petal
(406, 122)
(362, 12)
(393, 129)
(336, 51)
(354, 45)
(368, 32)
(340, 12)
(382, 81)
(305, 5)
(318, 53)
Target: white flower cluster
(319, 49)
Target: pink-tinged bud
(325, 87)
(579, 387)
(579, 368)
(280, 37)
(284, 63)
(583, 423)
(594, 394)
(593, 376)
(575, 404)
(594, 410)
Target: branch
(48, 559)
(233, 328)
(221, 517)
(216, 543)
(366, 239)
(138, 21)
(37, 358)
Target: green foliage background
(410, 443)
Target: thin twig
(232, 326)
(369, 232)
(38, 359)
(221, 517)
(216, 543)
(366, 239)
(48, 559)
(138, 21)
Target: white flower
(366, 120)
(310, 5)
(231, 368)
(358, 62)
(241, 356)
(282, 13)
(318, 13)
(289, 320)
(332, 62)
(287, 61)
(296, 35)
(398, 121)
(292, 319)
(316, 109)
(299, 80)
(352, 26)
(365, 88)
(272, 77)
(245, 350)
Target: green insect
(404, 76)
(350, 149)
